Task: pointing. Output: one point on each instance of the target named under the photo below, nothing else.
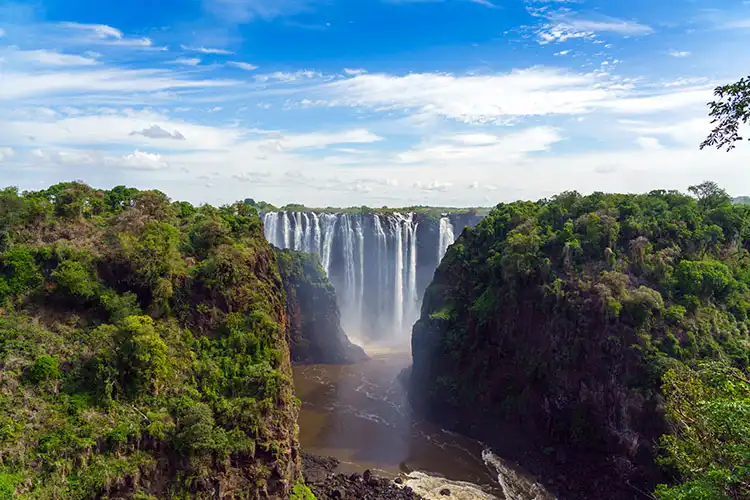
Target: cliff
(143, 350)
(314, 322)
(548, 328)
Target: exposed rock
(313, 317)
(445, 492)
(320, 476)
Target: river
(360, 415)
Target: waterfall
(361, 257)
(377, 263)
(381, 263)
(350, 268)
(271, 227)
(315, 247)
(326, 246)
(308, 234)
(413, 298)
(398, 284)
(285, 229)
(446, 237)
(298, 232)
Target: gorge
(380, 263)
(147, 348)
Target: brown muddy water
(360, 415)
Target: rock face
(547, 328)
(313, 319)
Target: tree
(708, 410)
(710, 195)
(729, 111)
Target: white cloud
(563, 53)
(139, 160)
(563, 27)
(254, 177)
(283, 76)
(738, 24)
(475, 99)
(207, 50)
(240, 11)
(113, 81)
(243, 65)
(649, 143)
(354, 72)
(679, 53)
(187, 61)
(482, 149)
(52, 58)
(321, 140)
(6, 153)
(663, 101)
(433, 186)
(106, 35)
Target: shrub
(75, 280)
(44, 368)
(19, 271)
(301, 492)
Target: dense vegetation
(575, 317)
(142, 349)
(431, 212)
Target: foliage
(730, 110)
(609, 292)
(136, 332)
(709, 411)
(302, 492)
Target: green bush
(45, 368)
(74, 280)
(19, 272)
(301, 492)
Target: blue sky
(377, 102)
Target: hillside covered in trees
(143, 349)
(612, 330)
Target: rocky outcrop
(313, 319)
(320, 476)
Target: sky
(368, 102)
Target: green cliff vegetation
(432, 212)
(600, 323)
(142, 349)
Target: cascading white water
(373, 261)
(298, 232)
(446, 237)
(381, 262)
(315, 247)
(285, 229)
(271, 227)
(361, 278)
(326, 246)
(398, 284)
(411, 308)
(351, 297)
